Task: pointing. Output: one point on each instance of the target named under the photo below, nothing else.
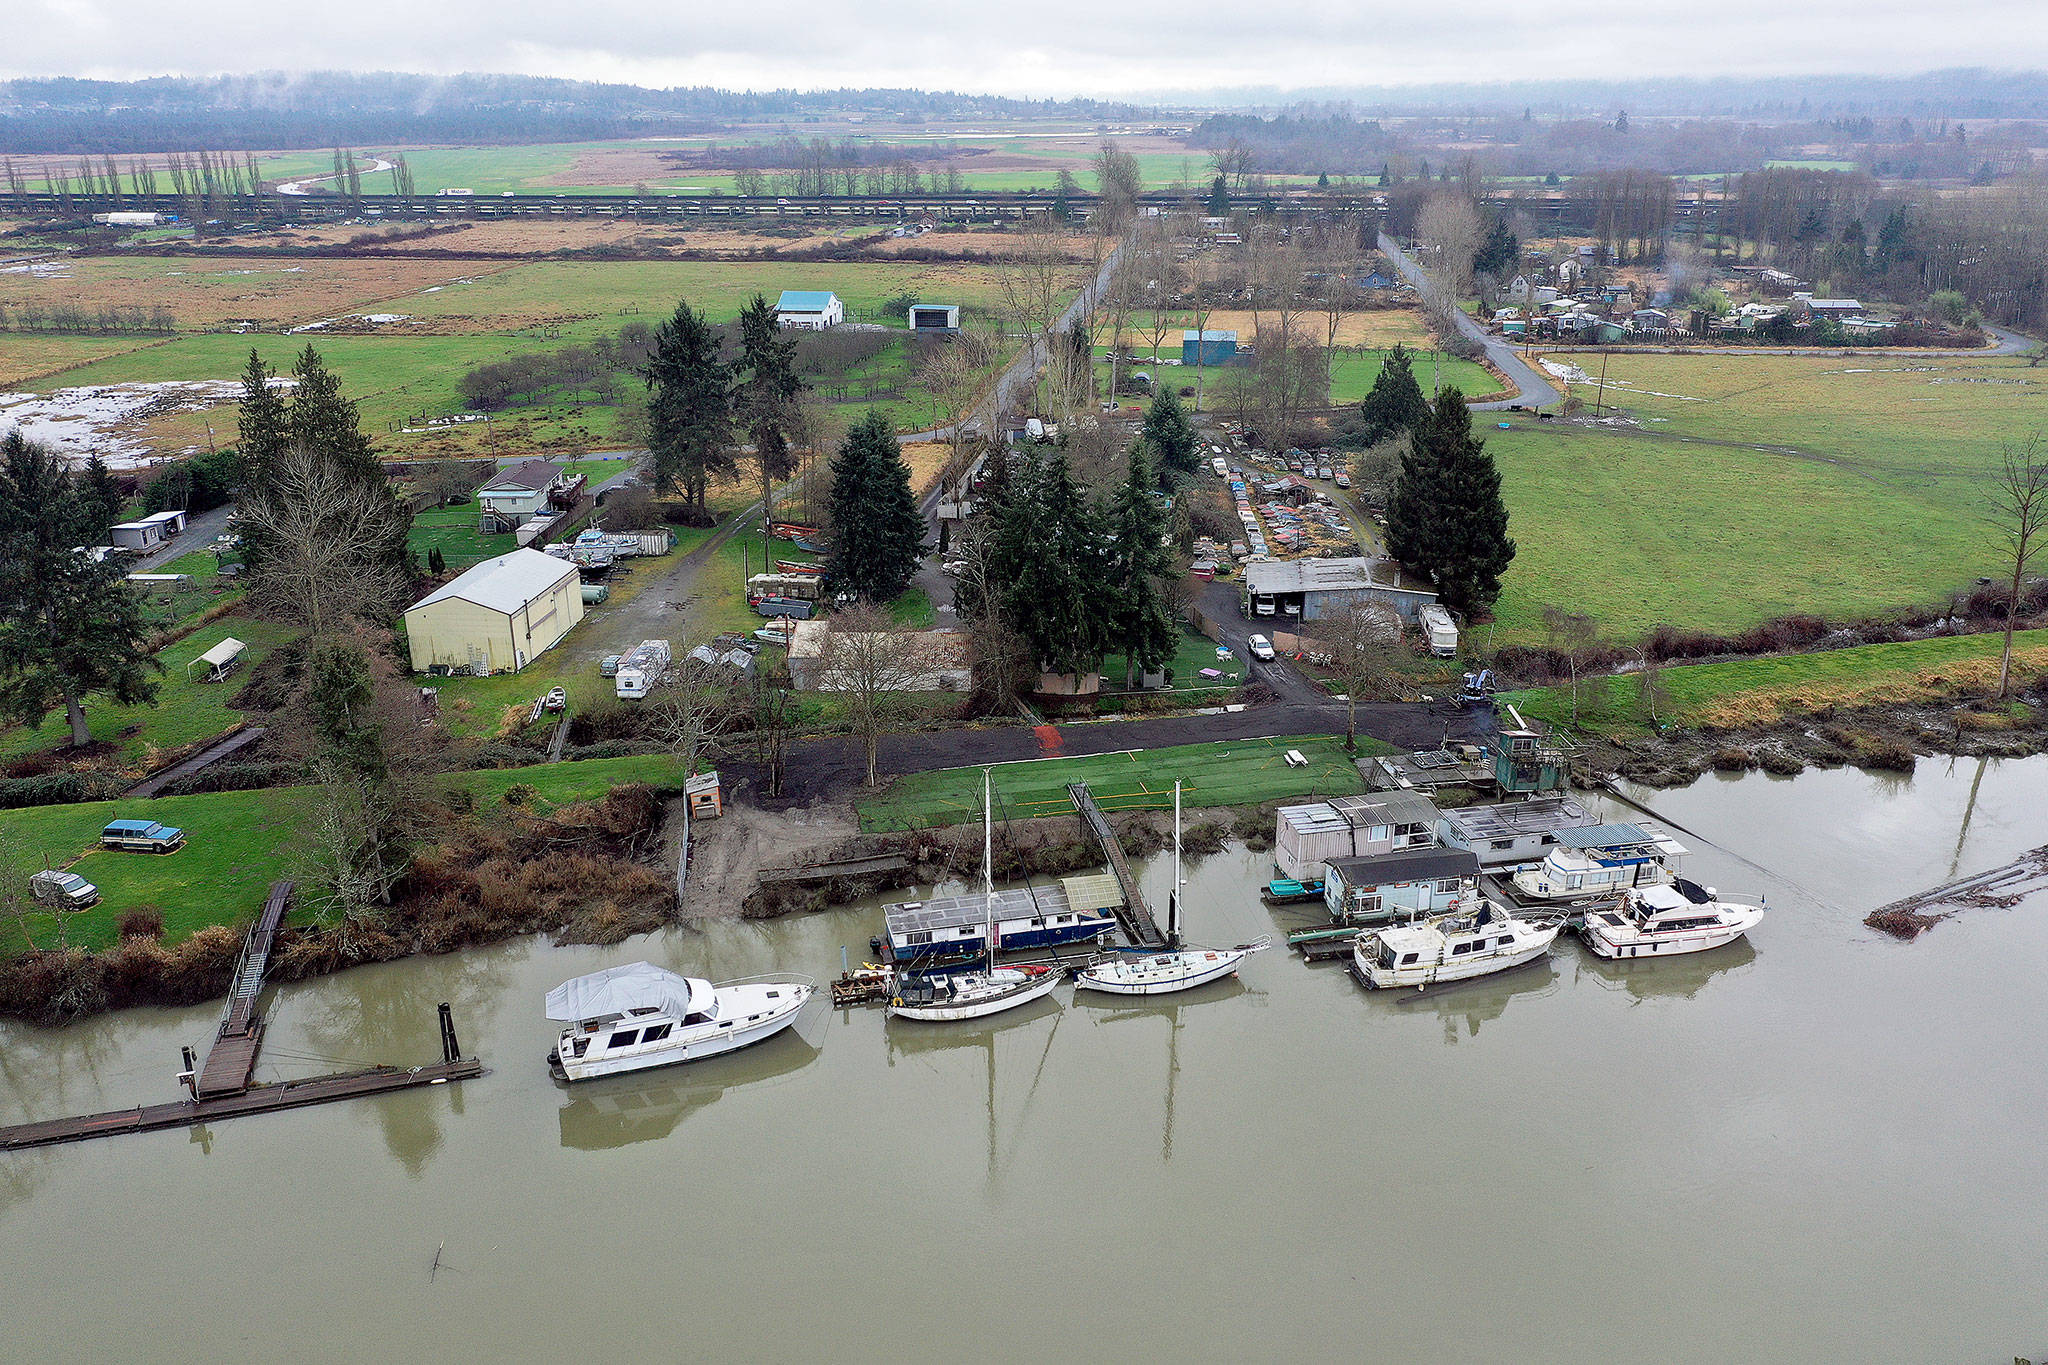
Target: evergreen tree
(321, 419)
(1395, 403)
(1500, 253)
(1168, 431)
(1139, 562)
(689, 407)
(1219, 198)
(766, 396)
(1323, 181)
(1468, 547)
(101, 496)
(877, 534)
(1060, 598)
(437, 563)
(262, 423)
(69, 627)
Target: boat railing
(769, 978)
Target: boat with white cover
(1453, 948)
(639, 1016)
(946, 997)
(1665, 921)
(1177, 968)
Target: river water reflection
(1822, 1144)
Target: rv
(1439, 630)
(640, 669)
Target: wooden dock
(844, 867)
(223, 1087)
(1134, 917)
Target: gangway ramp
(1135, 917)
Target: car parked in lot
(1262, 649)
(142, 836)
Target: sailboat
(944, 997)
(1178, 968)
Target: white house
(811, 309)
(517, 495)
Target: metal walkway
(1135, 918)
(232, 1059)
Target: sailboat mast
(1173, 897)
(988, 868)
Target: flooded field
(1819, 1145)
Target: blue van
(142, 836)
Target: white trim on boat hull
(1669, 945)
(1458, 969)
(688, 1043)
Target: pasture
(1737, 488)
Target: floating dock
(223, 1087)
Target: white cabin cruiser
(1455, 948)
(1597, 862)
(639, 1016)
(1176, 968)
(1664, 921)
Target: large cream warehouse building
(498, 616)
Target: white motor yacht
(639, 1016)
(1664, 921)
(1454, 948)
(1598, 862)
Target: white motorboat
(639, 1016)
(1454, 948)
(945, 997)
(1664, 921)
(1598, 862)
(1175, 969)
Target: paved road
(200, 531)
(1533, 389)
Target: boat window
(1407, 959)
(726, 1024)
(623, 1038)
(656, 1032)
(1460, 949)
(1447, 885)
(918, 938)
(1038, 923)
(1502, 845)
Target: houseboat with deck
(1599, 861)
(949, 929)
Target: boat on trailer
(1177, 968)
(1452, 948)
(640, 1016)
(947, 997)
(1665, 921)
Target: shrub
(144, 921)
(521, 793)
(58, 789)
(234, 777)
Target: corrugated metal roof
(1604, 836)
(506, 583)
(1408, 865)
(1387, 808)
(804, 300)
(1093, 891)
(1513, 818)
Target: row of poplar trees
(1445, 517)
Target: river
(1820, 1145)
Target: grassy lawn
(1755, 486)
(473, 708)
(1191, 655)
(182, 712)
(914, 609)
(1352, 374)
(1242, 772)
(237, 843)
(1760, 691)
(452, 531)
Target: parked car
(609, 667)
(1343, 479)
(776, 632)
(142, 836)
(1262, 649)
(66, 889)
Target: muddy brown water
(1820, 1145)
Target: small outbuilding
(1313, 588)
(496, 617)
(935, 317)
(147, 533)
(812, 310)
(223, 659)
(929, 661)
(1211, 346)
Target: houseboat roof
(1512, 819)
(959, 912)
(1604, 837)
(621, 990)
(1386, 808)
(1405, 865)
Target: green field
(1758, 691)
(237, 843)
(452, 531)
(182, 712)
(1192, 654)
(1756, 486)
(1243, 772)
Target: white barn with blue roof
(811, 309)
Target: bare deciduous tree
(1450, 231)
(325, 532)
(1362, 640)
(1572, 634)
(873, 666)
(1032, 295)
(2019, 508)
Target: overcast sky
(1023, 47)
